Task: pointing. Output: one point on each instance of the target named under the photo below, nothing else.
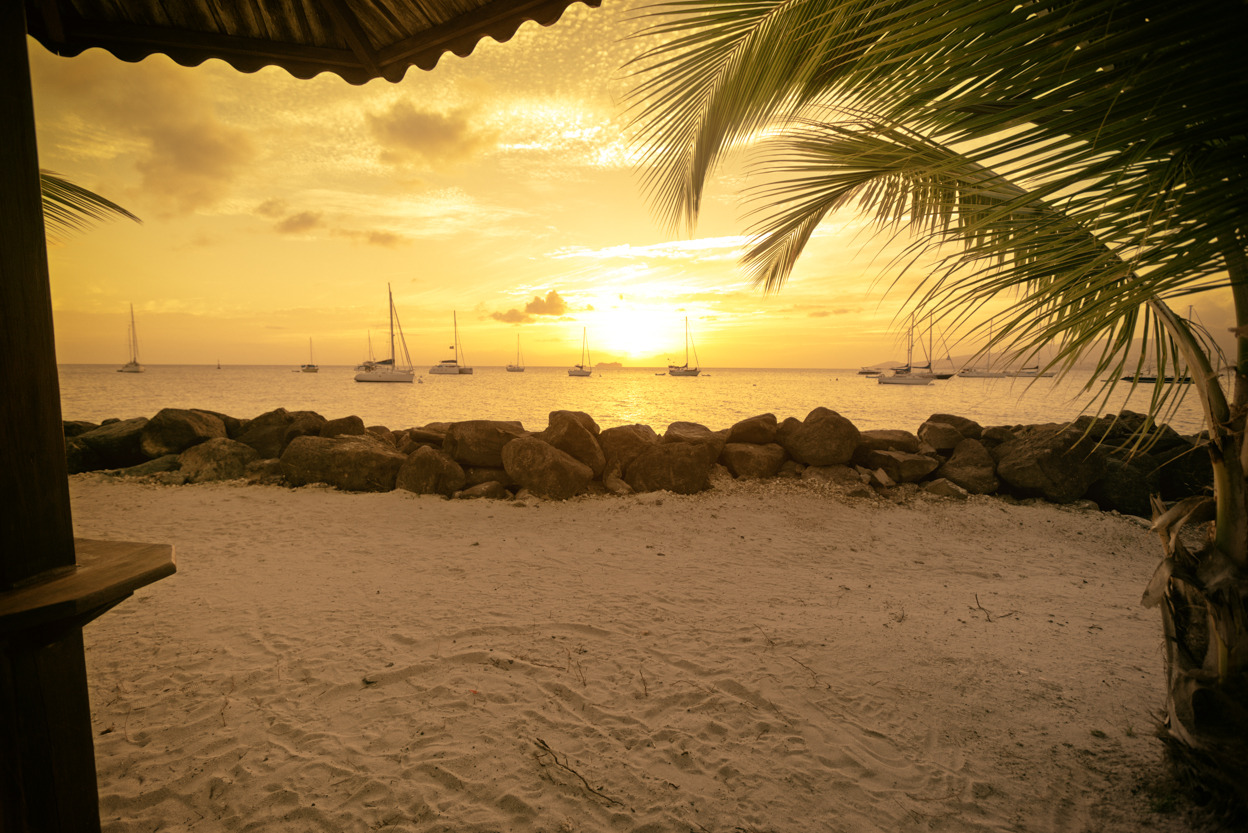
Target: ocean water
(612, 396)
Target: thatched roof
(356, 39)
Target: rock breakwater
(1116, 461)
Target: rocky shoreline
(1094, 459)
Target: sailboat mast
(455, 334)
(393, 358)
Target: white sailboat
(903, 375)
(685, 369)
(133, 365)
(389, 370)
(451, 366)
(985, 372)
(585, 368)
(310, 367)
(518, 367)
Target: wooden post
(47, 779)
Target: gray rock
(747, 460)
(825, 438)
(174, 430)
(945, 488)
(266, 472)
(692, 432)
(344, 426)
(475, 475)
(901, 467)
(267, 432)
(876, 478)
(1126, 486)
(624, 443)
(544, 470)
(759, 430)
(888, 439)
(1050, 462)
(480, 442)
(353, 463)
(491, 489)
(575, 433)
(114, 445)
(80, 457)
(427, 471)
(615, 485)
(303, 424)
(968, 428)
(972, 467)
(683, 468)
(161, 464)
(216, 459)
(72, 428)
(940, 435)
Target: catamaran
(685, 369)
(518, 367)
(585, 368)
(310, 367)
(133, 365)
(451, 366)
(389, 370)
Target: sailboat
(389, 370)
(903, 375)
(685, 369)
(986, 372)
(133, 365)
(310, 367)
(585, 368)
(451, 366)
(518, 367)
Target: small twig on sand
(546, 756)
(813, 676)
(988, 615)
(645, 689)
(770, 642)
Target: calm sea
(612, 397)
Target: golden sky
(497, 186)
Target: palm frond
(68, 207)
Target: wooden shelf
(106, 572)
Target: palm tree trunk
(1203, 596)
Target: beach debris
(988, 614)
(547, 758)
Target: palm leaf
(68, 207)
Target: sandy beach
(761, 657)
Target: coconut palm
(68, 207)
(1084, 161)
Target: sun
(630, 332)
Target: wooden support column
(47, 594)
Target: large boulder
(354, 463)
(1126, 486)
(343, 426)
(1184, 471)
(267, 432)
(692, 432)
(217, 459)
(476, 475)
(825, 438)
(887, 439)
(114, 445)
(971, 467)
(625, 443)
(576, 433)
(80, 457)
(74, 427)
(480, 442)
(233, 425)
(174, 430)
(430, 472)
(941, 436)
(968, 428)
(152, 467)
(900, 466)
(1055, 462)
(683, 468)
(747, 460)
(759, 430)
(545, 470)
(303, 424)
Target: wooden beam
(35, 524)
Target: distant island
(608, 364)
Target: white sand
(766, 657)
